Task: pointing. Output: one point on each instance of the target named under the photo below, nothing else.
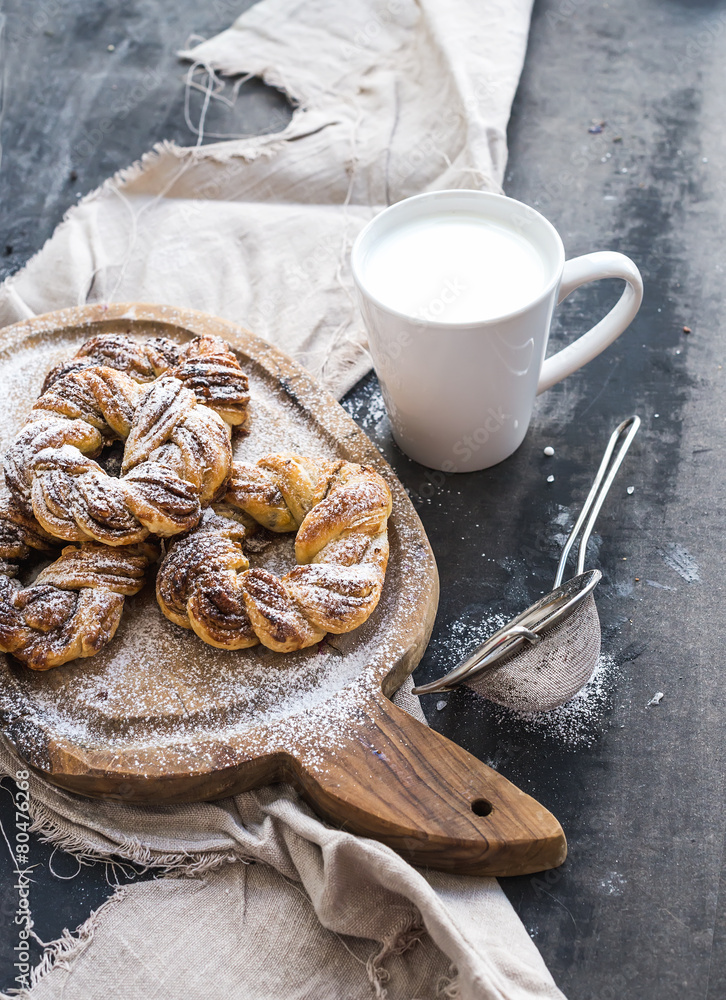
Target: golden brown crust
(102, 397)
(74, 606)
(206, 365)
(121, 570)
(211, 550)
(340, 511)
(142, 360)
(210, 369)
(172, 429)
(20, 533)
(43, 432)
(173, 408)
(176, 458)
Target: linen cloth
(392, 99)
(321, 913)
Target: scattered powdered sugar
(613, 884)
(158, 679)
(275, 426)
(367, 407)
(577, 723)
(472, 633)
(680, 559)
(277, 556)
(157, 689)
(460, 637)
(23, 370)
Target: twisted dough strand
(340, 512)
(74, 606)
(20, 534)
(203, 567)
(209, 368)
(75, 500)
(143, 360)
(206, 365)
(176, 458)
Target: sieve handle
(600, 488)
(503, 642)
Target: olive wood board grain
(160, 717)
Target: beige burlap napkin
(319, 914)
(393, 98)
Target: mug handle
(578, 271)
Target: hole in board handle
(481, 807)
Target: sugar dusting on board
(23, 372)
(157, 688)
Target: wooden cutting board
(158, 716)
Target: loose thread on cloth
(167, 863)
(48, 830)
(280, 210)
(395, 944)
(449, 987)
(212, 90)
(209, 90)
(134, 217)
(66, 948)
(373, 966)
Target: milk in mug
(454, 267)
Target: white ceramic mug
(460, 394)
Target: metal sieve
(541, 658)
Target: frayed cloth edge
(49, 831)
(65, 949)
(272, 76)
(449, 987)
(247, 150)
(398, 943)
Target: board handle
(396, 780)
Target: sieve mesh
(539, 678)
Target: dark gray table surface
(636, 910)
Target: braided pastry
(206, 365)
(176, 457)
(209, 368)
(340, 512)
(74, 606)
(21, 534)
(142, 360)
